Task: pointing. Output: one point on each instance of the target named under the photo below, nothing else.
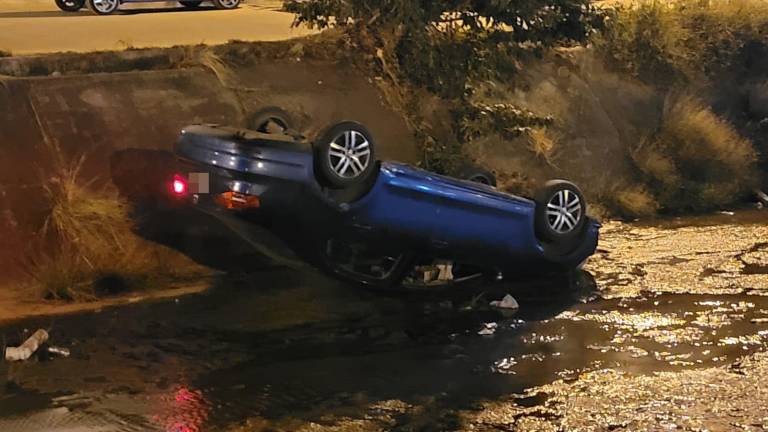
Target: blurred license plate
(199, 183)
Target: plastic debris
(59, 351)
(28, 348)
(508, 302)
(727, 213)
(488, 329)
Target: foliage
(669, 42)
(696, 161)
(447, 48)
(444, 45)
(510, 121)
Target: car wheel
(103, 7)
(476, 174)
(345, 155)
(561, 212)
(70, 5)
(270, 120)
(226, 4)
(191, 4)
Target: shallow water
(291, 349)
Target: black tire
(476, 174)
(191, 4)
(553, 225)
(70, 5)
(345, 155)
(270, 120)
(226, 4)
(101, 10)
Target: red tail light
(179, 185)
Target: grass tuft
(633, 201)
(543, 143)
(90, 248)
(696, 161)
(206, 57)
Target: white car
(106, 7)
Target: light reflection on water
(183, 410)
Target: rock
(508, 302)
(488, 329)
(28, 348)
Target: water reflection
(183, 410)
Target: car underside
(375, 221)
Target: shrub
(447, 48)
(632, 201)
(91, 248)
(696, 161)
(675, 41)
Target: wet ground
(665, 329)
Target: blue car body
(410, 208)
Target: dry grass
(543, 143)
(633, 201)
(91, 249)
(204, 56)
(696, 161)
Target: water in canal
(293, 350)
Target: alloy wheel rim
(229, 3)
(105, 6)
(564, 211)
(349, 154)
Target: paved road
(37, 26)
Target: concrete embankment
(95, 115)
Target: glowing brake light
(179, 185)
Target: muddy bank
(97, 115)
(611, 134)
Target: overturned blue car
(373, 221)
